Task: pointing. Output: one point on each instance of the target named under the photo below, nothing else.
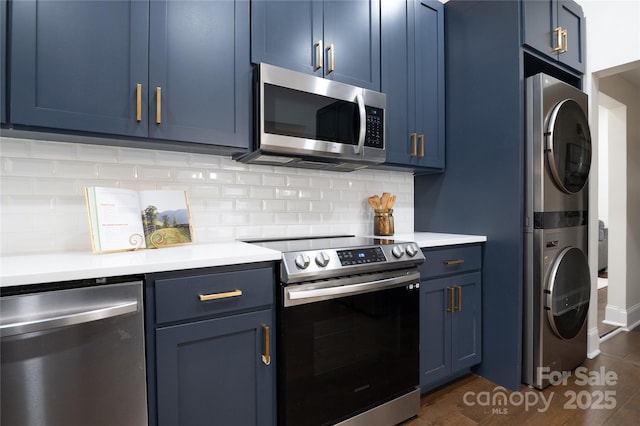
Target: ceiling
(632, 76)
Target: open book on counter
(125, 219)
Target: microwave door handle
(363, 123)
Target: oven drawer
(212, 294)
(444, 261)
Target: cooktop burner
(308, 259)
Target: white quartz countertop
(69, 266)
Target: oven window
(290, 112)
(344, 356)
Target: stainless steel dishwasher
(73, 356)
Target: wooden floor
(605, 392)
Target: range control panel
(309, 265)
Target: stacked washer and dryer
(557, 277)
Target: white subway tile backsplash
(53, 150)
(12, 147)
(28, 167)
(228, 199)
(75, 169)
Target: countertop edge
(69, 266)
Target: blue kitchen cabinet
(450, 314)
(3, 61)
(555, 28)
(76, 65)
(199, 72)
(176, 71)
(338, 40)
(210, 341)
(413, 79)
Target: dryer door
(568, 146)
(568, 293)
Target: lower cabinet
(210, 353)
(450, 315)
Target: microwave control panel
(375, 127)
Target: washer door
(568, 146)
(568, 293)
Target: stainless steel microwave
(311, 122)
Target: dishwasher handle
(48, 323)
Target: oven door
(347, 345)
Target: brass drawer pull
(451, 306)
(138, 102)
(215, 296)
(453, 262)
(266, 358)
(332, 58)
(158, 105)
(421, 138)
(459, 307)
(414, 142)
(319, 55)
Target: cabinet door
(466, 322)
(396, 79)
(435, 331)
(3, 63)
(571, 18)
(212, 371)
(541, 18)
(352, 42)
(539, 22)
(75, 65)
(429, 81)
(200, 74)
(286, 33)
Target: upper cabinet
(413, 79)
(3, 63)
(160, 69)
(338, 40)
(555, 28)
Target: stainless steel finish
(54, 321)
(294, 268)
(543, 348)
(545, 93)
(74, 357)
(390, 413)
(293, 151)
(348, 286)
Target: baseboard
(593, 343)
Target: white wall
(629, 95)
(42, 207)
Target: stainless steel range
(348, 326)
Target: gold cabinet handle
(558, 35)
(451, 307)
(414, 141)
(215, 296)
(158, 105)
(565, 42)
(421, 138)
(138, 102)
(459, 291)
(319, 54)
(266, 358)
(453, 262)
(331, 49)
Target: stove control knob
(322, 259)
(411, 250)
(302, 261)
(397, 252)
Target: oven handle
(352, 289)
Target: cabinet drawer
(451, 261)
(180, 298)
